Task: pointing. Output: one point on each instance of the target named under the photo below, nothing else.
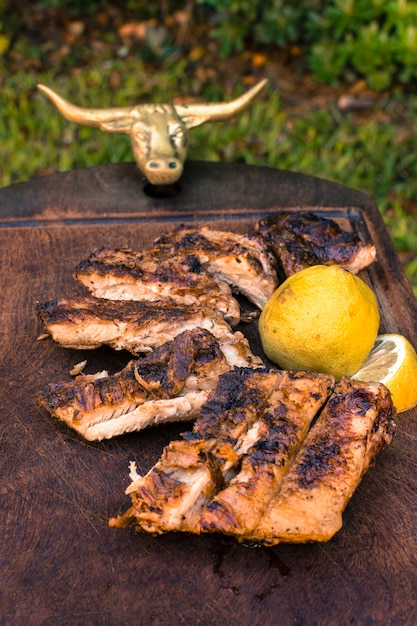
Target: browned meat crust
(355, 425)
(269, 448)
(85, 323)
(243, 261)
(232, 421)
(169, 384)
(249, 469)
(126, 274)
(301, 239)
(172, 496)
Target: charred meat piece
(241, 260)
(85, 323)
(169, 384)
(234, 406)
(249, 469)
(233, 425)
(126, 274)
(191, 471)
(355, 425)
(301, 239)
(268, 448)
(172, 495)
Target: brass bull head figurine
(158, 132)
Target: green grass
(374, 157)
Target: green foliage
(4, 41)
(375, 39)
(4, 34)
(276, 22)
(73, 7)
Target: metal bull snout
(158, 132)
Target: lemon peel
(323, 318)
(393, 362)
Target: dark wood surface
(59, 561)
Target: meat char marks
(169, 384)
(355, 425)
(192, 471)
(85, 323)
(300, 239)
(202, 266)
(242, 261)
(154, 274)
(273, 457)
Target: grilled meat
(86, 323)
(241, 260)
(354, 426)
(268, 448)
(169, 384)
(234, 426)
(172, 495)
(303, 238)
(125, 274)
(249, 469)
(273, 455)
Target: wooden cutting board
(60, 563)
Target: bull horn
(195, 114)
(118, 119)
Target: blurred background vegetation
(341, 102)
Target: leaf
(4, 43)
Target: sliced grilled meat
(301, 239)
(169, 384)
(355, 425)
(268, 448)
(249, 469)
(86, 323)
(126, 274)
(172, 495)
(241, 260)
(230, 425)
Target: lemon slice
(393, 362)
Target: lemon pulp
(393, 362)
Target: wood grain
(59, 561)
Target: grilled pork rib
(85, 323)
(301, 239)
(126, 274)
(234, 426)
(249, 469)
(354, 426)
(244, 262)
(169, 384)
(268, 448)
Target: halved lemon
(393, 362)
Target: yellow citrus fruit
(393, 361)
(323, 318)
